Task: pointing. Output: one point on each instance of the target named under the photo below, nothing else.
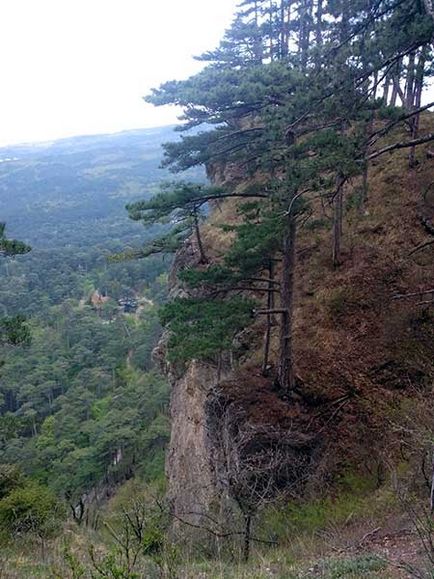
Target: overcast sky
(72, 67)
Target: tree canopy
(291, 96)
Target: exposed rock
(189, 470)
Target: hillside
(78, 401)
(260, 404)
(73, 192)
(355, 430)
(67, 200)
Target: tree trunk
(270, 306)
(258, 38)
(286, 363)
(365, 182)
(305, 19)
(338, 221)
(396, 91)
(203, 258)
(285, 11)
(429, 7)
(375, 87)
(386, 90)
(345, 21)
(416, 102)
(409, 83)
(318, 32)
(270, 22)
(247, 536)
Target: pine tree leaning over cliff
(211, 324)
(291, 95)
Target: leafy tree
(14, 330)
(180, 205)
(30, 509)
(11, 478)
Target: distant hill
(67, 200)
(74, 190)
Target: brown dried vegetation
(360, 347)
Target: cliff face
(360, 350)
(192, 484)
(191, 472)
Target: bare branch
(401, 145)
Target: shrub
(11, 478)
(358, 567)
(31, 509)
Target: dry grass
(352, 339)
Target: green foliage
(213, 275)
(111, 565)
(78, 405)
(14, 331)
(73, 563)
(179, 206)
(11, 247)
(172, 202)
(358, 567)
(258, 239)
(11, 477)
(356, 498)
(203, 328)
(30, 509)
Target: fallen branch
(421, 246)
(381, 132)
(413, 294)
(218, 534)
(267, 312)
(369, 535)
(401, 145)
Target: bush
(359, 567)
(11, 478)
(31, 509)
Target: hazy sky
(71, 67)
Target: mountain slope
(364, 346)
(77, 188)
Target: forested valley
(81, 404)
(283, 281)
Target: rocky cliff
(364, 344)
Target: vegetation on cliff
(299, 97)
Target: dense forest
(298, 315)
(80, 402)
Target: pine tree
(299, 110)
